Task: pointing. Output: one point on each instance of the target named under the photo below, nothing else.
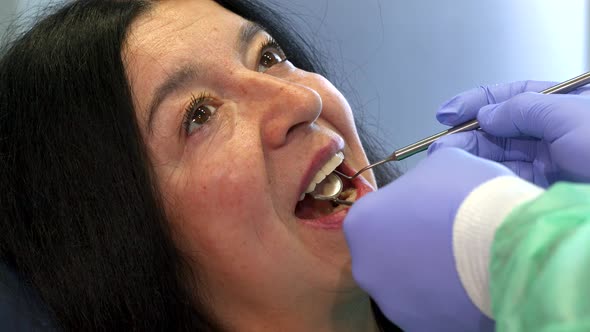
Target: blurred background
(399, 60)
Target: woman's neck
(337, 313)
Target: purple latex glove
(542, 138)
(400, 238)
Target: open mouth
(310, 208)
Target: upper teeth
(328, 168)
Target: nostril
(293, 128)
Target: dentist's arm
(459, 239)
(401, 240)
(421, 246)
(540, 264)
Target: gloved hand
(542, 138)
(400, 238)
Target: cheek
(213, 193)
(336, 109)
(338, 116)
(337, 113)
(228, 227)
(213, 205)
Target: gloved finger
(464, 106)
(585, 90)
(490, 147)
(528, 171)
(546, 117)
(523, 169)
(468, 141)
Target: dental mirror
(329, 190)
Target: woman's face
(235, 136)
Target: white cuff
(478, 217)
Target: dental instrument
(332, 191)
(329, 190)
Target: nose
(283, 105)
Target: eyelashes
(270, 54)
(198, 113)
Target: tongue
(310, 208)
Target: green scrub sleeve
(540, 263)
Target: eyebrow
(247, 32)
(187, 73)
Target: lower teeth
(348, 195)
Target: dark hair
(82, 220)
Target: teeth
(328, 168)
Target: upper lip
(320, 158)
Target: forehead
(174, 34)
(172, 25)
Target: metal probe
(412, 149)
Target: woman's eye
(271, 55)
(197, 114)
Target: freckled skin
(230, 188)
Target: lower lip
(335, 220)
